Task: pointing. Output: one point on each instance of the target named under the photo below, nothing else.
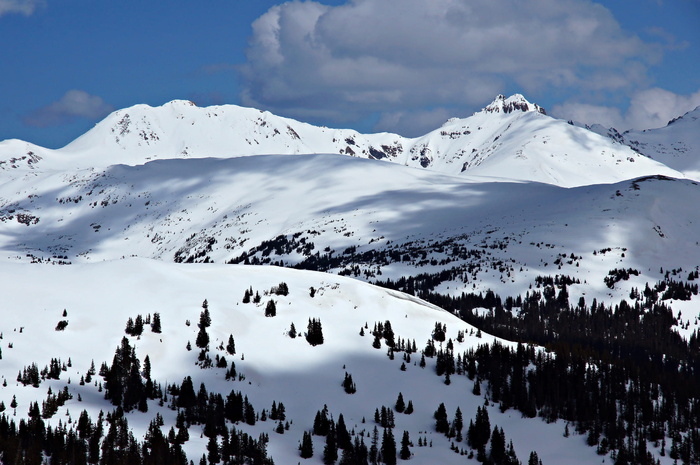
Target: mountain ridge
(510, 138)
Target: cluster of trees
(134, 327)
(314, 332)
(479, 435)
(339, 443)
(641, 379)
(107, 441)
(124, 381)
(618, 409)
(30, 375)
(248, 294)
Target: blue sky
(396, 65)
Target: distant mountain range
(582, 240)
(510, 138)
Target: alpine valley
(223, 285)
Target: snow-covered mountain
(676, 145)
(523, 224)
(510, 138)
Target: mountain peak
(501, 104)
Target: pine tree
(213, 454)
(341, 432)
(314, 334)
(377, 343)
(534, 459)
(202, 340)
(498, 445)
(292, 331)
(129, 327)
(138, 326)
(374, 447)
(409, 408)
(441, 423)
(231, 345)
(155, 325)
(458, 424)
(330, 450)
(400, 405)
(204, 317)
(270, 309)
(388, 447)
(405, 452)
(348, 384)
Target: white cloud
(397, 56)
(649, 108)
(413, 123)
(25, 7)
(74, 104)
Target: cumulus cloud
(394, 56)
(25, 7)
(74, 104)
(648, 109)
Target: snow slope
(377, 220)
(677, 145)
(275, 366)
(510, 138)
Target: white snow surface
(510, 138)
(99, 298)
(525, 194)
(676, 145)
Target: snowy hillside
(358, 217)
(137, 245)
(510, 138)
(271, 366)
(677, 145)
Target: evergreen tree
(270, 309)
(348, 384)
(405, 452)
(458, 424)
(330, 451)
(231, 345)
(534, 459)
(306, 448)
(441, 423)
(213, 454)
(400, 405)
(409, 408)
(343, 439)
(292, 331)
(204, 317)
(138, 326)
(155, 325)
(388, 447)
(479, 431)
(498, 445)
(374, 447)
(202, 340)
(129, 327)
(314, 334)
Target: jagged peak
(501, 104)
(692, 114)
